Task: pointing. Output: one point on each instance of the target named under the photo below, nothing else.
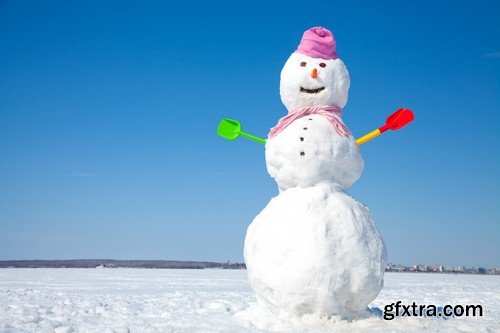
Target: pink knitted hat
(318, 42)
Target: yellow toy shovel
(394, 122)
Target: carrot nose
(314, 73)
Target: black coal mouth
(311, 91)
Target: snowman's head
(314, 75)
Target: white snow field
(213, 300)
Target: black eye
(303, 64)
(322, 65)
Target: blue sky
(108, 113)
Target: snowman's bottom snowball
(315, 250)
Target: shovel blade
(229, 128)
(399, 119)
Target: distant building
(436, 268)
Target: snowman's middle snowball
(328, 157)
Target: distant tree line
(93, 263)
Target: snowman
(314, 249)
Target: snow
(211, 300)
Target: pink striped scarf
(331, 113)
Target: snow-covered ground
(149, 300)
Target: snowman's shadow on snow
(257, 317)
(260, 318)
(376, 311)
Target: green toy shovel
(231, 129)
